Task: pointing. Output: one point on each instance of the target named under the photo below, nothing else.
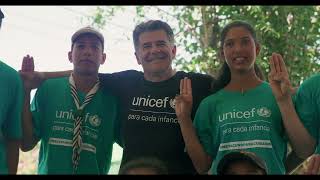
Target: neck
(159, 76)
(243, 81)
(84, 83)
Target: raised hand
(31, 79)
(313, 165)
(279, 78)
(183, 102)
(27, 64)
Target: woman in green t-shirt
(245, 112)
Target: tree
(292, 31)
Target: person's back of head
(241, 163)
(1, 17)
(144, 166)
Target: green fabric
(308, 106)
(53, 110)
(11, 90)
(228, 121)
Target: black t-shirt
(149, 126)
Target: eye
(161, 44)
(146, 46)
(245, 42)
(228, 44)
(80, 46)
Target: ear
(174, 51)
(104, 56)
(70, 56)
(258, 48)
(137, 58)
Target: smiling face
(155, 52)
(240, 50)
(87, 54)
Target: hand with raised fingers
(279, 78)
(313, 165)
(31, 79)
(183, 102)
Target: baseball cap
(231, 157)
(87, 30)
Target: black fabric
(149, 126)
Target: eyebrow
(244, 37)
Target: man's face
(154, 52)
(87, 55)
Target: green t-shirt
(308, 106)
(53, 109)
(11, 91)
(228, 121)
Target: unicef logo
(95, 121)
(172, 103)
(264, 112)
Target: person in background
(144, 166)
(11, 91)
(241, 163)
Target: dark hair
(240, 156)
(146, 162)
(224, 75)
(151, 25)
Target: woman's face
(240, 50)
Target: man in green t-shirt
(71, 116)
(10, 118)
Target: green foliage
(292, 31)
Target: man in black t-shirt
(149, 126)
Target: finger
(282, 64)
(189, 86)
(185, 85)
(276, 63)
(272, 66)
(310, 165)
(181, 86)
(316, 165)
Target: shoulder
(311, 82)
(8, 72)
(121, 75)
(55, 82)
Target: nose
(155, 49)
(87, 51)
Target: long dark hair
(224, 75)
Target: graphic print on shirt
(243, 129)
(63, 125)
(153, 109)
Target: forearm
(201, 160)
(28, 140)
(302, 142)
(48, 75)
(12, 147)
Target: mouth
(158, 57)
(86, 61)
(239, 60)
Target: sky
(44, 32)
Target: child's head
(241, 163)
(239, 48)
(144, 166)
